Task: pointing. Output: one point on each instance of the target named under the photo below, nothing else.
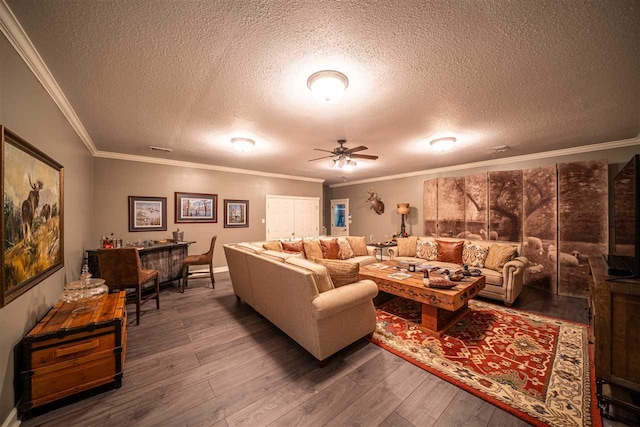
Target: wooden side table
(381, 246)
(69, 356)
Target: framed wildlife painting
(236, 213)
(32, 216)
(147, 213)
(196, 207)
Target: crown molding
(194, 165)
(16, 35)
(507, 160)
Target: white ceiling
(189, 75)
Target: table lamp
(403, 209)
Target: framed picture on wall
(196, 207)
(32, 218)
(147, 213)
(236, 213)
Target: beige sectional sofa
(297, 296)
(504, 285)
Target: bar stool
(203, 259)
(121, 269)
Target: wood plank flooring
(204, 359)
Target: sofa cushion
(407, 246)
(250, 248)
(280, 256)
(312, 249)
(427, 249)
(492, 277)
(345, 249)
(474, 255)
(320, 273)
(499, 255)
(341, 272)
(450, 251)
(293, 247)
(358, 244)
(362, 260)
(274, 245)
(330, 248)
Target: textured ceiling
(189, 75)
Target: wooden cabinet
(615, 311)
(68, 356)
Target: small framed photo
(147, 213)
(236, 213)
(196, 207)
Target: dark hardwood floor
(204, 359)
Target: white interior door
(340, 217)
(307, 217)
(292, 217)
(280, 218)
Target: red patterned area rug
(533, 366)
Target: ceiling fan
(343, 156)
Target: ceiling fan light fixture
(327, 85)
(243, 144)
(350, 165)
(443, 144)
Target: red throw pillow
(293, 247)
(330, 249)
(450, 251)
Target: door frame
(346, 215)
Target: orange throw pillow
(450, 251)
(293, 247)
(330, 249)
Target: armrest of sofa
(513, 277)
(515, 266)
(339, 299)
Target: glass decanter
(83, 291)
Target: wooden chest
(69, 356)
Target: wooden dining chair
(121, 269)
(204, 259)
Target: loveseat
(504, 281)
(299, 297)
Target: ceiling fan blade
(353, 150)
(320, 158)
(363, 156)
(320, 149)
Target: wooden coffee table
(441, 308)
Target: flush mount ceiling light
(443, 144)
(328, 85)
(243, 144)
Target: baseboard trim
(12, 419)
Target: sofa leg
(238, 299)
(322, 363)
(507, 304)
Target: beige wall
(366, 222)
(115, 180)
(27, 109)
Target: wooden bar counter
(165, 257)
